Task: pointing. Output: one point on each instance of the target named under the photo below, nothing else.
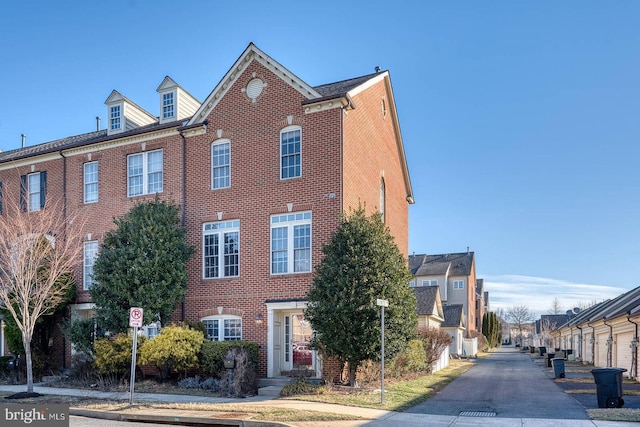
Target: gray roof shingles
(458, 264)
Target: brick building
(262, 169)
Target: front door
(299, 359)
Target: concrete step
(275, 381)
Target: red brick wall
(370, 154)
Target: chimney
(24, 139)
(97, 123)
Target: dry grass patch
(398, 395)
(615, 414)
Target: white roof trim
(251, 53)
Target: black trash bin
(549, 357)
(609, 387)
(533, 349)
(543, 350)
(558, 367)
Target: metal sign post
(382, 303)
(135, 321)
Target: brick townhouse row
(262, 169)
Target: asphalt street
(507, 385)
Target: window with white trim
(114, 117)
(291, 243)
(220, 249)
(430, 283)
(223, 328)
(412, 284)
(144, 173)
(91, 182)
(168, 109)
(33, 189)
(290, 153)
(458, 284)
(90, 255)
(220, 164)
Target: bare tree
(37, 250)
(556, 307)
(521, 317)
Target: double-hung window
(114, 117)
(144, 173)
(223, 328)
(221, 249)
(290, 153)
(167, 105)
(33, 189)
(291, 243)
(91, 182)
(220, 165)
(458, 284)
(90, 255)
(429, 283)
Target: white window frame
(430, 282)
(168, 105)
(288, 155)
(223, 325)
(226, 157)
(145, 173)
(115, 117)
(458, 284)
(33, 191)
(90, 253)
(286, 243)
(412, 284)
(90, 182)
(220, 230)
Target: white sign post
(382, 303)
(135, 321)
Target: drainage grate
(477, 414)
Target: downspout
(609, 343)
(183, 219)
(634, 349)
(64, 216)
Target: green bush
(113, 356)
(175, 349)
(81, 333)
(214, 352)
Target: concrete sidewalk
(370, 417)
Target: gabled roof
(551, 321)
(457, 264)
(428, 301)
(629, 302)
(453, 316)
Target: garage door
(622, 351)
(601, 350)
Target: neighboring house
(455, 275)
(454, 325)
(606, 334)
(431, 315)
(544, 329)
(263, 169)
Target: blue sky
(519, 119)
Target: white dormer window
(115, 115)
(168, 105)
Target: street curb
(175, 420)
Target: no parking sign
(135, 317)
